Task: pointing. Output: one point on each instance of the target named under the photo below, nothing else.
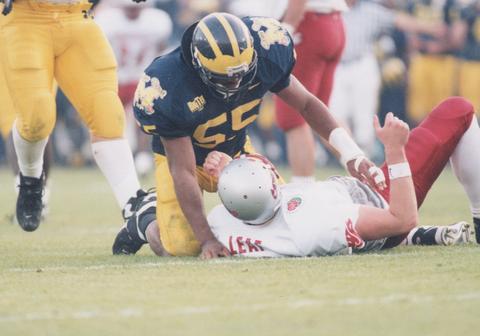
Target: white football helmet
(248, 188)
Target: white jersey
(314, 220)
(135, 42)
(326, 6)
(271, 8)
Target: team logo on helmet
(148, 91)
(270, 32)
(294, 203)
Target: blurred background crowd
(400, 55)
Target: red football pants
(322, 38)
(430, 146)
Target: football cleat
(139, 215)
(456, 233)
(29, 202)
(476, 222)
(132, 204)
(125, 243)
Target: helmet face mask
(223, 55)
(249, 190)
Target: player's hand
(7, 6)
(213, 249)
(215, 162)
(367, 172)
(394, 133)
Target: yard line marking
(172, 261)
(197, 310)
(149, 264)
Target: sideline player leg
(86, 71)
(317, 59)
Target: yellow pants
(431, 79)
(7, 111)
(175, 232)
(469, 82)
(46, 41)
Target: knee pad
(107, 118)
(36, 117)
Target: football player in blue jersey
(201, 97)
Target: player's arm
(321, 120)
(402, 215)
(182, 165)
(7, 6)
(293, 15)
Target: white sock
(115, 160)
(465, 161)
(302, 179)
(29, 154)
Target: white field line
(170, 262)
(198, 310)
(178, 262)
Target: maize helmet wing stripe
(211, 40)
(235, 48)
(242, 35)
(223, 54)
(230, 33)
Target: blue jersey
(171, 100)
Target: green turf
(62, 280)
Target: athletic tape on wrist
(344, 144)
(399, 170)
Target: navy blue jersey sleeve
(155, 110)
(284, 82)
(275, 50)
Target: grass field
(63, 280)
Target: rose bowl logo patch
(293, 204)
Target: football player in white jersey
(339, 214)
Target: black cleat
(133, 204)
(476, 223)
(29, 202)
(138, 213)
(125, 243)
